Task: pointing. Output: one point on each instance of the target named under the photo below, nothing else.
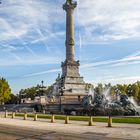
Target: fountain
(106, 104)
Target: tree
(48, 90)
(13, 99)
(135, 91)
(34, 91)
(28, 93)
(5, 91)
(99, 89)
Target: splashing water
(132, 100)
(106, 93)
(105, 103)
(92, 93)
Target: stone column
(69, 7)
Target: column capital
(69, 4)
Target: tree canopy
(5, 91)
(34, 91)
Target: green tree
(135, 91)
(34, 91)
(122, 88)
(5, 91)
(13, 99)
(28, 93)
(48, 90)
(113, 90)
(99, 89)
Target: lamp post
(40, 93)
(22, 97)
(41, 89)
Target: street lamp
(41, 89)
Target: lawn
(116, 119)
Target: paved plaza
(43, 129)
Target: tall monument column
(72, 84)
(69, 7)
(70, 87)
(70, 67)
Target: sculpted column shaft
(69, 6)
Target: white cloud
(7, 48)
(20, 18)
(43, 72)
(131, 59)
(8, 32)
(49, 36)
(107, 20)
(23, 23)
(16, 57)
(117, 80)
(22, 61)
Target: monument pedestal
(72, 85)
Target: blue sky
(32, 41)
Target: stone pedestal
(72, 84)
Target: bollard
(35, 117)
(13, 115)
(53, 119)
(6, 114)
(90, 121)
(25, 116)
(66, 119)
(110, 121)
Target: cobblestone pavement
(19, 129)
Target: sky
(32, 41)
